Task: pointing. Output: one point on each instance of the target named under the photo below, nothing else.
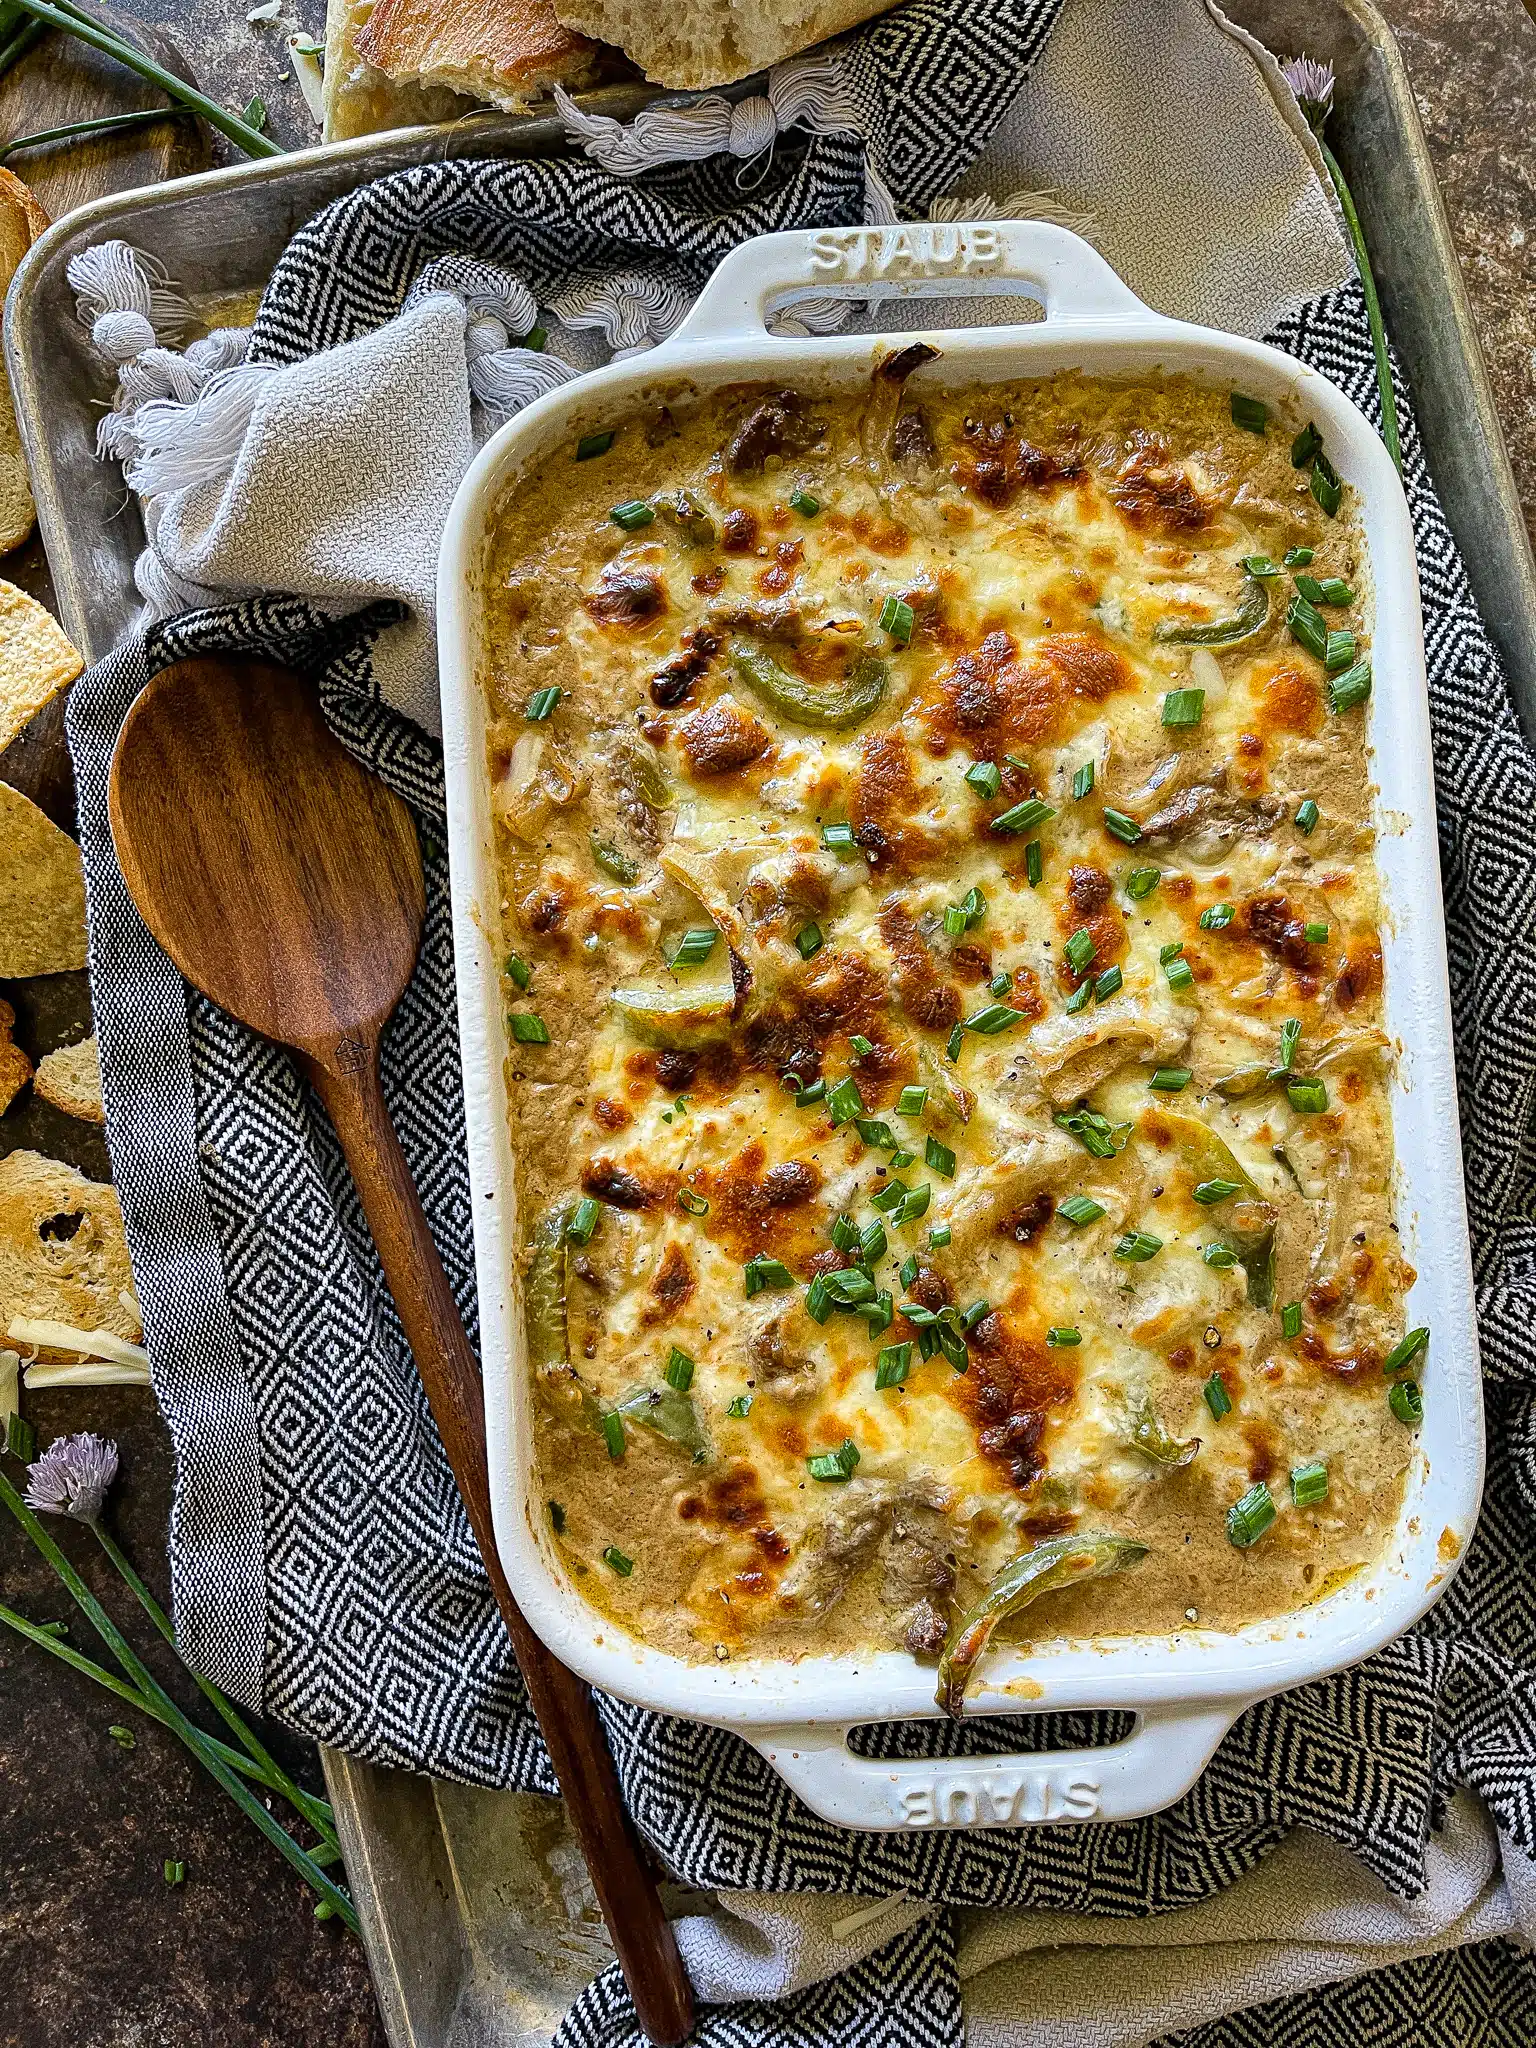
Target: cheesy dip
(944, 996)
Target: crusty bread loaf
(360, 100)
(22, 220)
(712, 42)
(507, 52)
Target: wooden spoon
(285, 882)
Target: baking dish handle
(918, 259)
(1156, 1764)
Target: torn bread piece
(22, 220)
(15, 1067)
(63, 1258)
(359, 99)
(70, 1078)
(508, 52)
(712, 42)
(37, 660)
(42, 892)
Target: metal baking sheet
(479, 1921)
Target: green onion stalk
(72, 1479)
(1312, 83)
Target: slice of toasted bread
(37, 660)
(15, 1067)
(712, 42)
(360, 100)
(42, 892)
(507, 52)
(22, 220)
(70, 1078)
(62, 1254)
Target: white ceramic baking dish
(1184, 1691)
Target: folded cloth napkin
(322, 1566)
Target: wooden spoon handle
(626, 1889)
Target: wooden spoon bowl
(285, 882)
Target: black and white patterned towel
(323, 1568)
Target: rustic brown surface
(96, 1951)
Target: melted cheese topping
(800, 708)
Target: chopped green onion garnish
(1407, 1351)
(633, 515)
(1169, 1080)
(974, 906)
(914, 1204)
(912, 1101)
(890, 1196)
(696, 1205)
(851, 1286)
(1290, 1038)
(909, 1269)
(518, 971)
(940, 1158)
(542, 703)
(742, 1405)
(1307, 625)
(616, 1561)
(1080, 1209)
(836, 1464)
(1329, 590)
(1034, 863)
(985, 777)
(1306, 816)
(879, 1313)
(528, 1029)
(1217, 1399)
(1290, 1319)
(839, 838)
(845, 1233)
(876, 1132)
(814, 1091)
(762, 1272)
(1406, 1402)
(1078, 1000)
(1123, 828)
(1325, 485)
(955, 926)
(994, 1018)
(1251, 413)
(1024, 817)
(844, 1102)
(1307, 1098)
(872, 1243)
(1137, 1246)
(1180, 975)
(1109, 983)
(1351, 688)
(1217, 917)
(678, 1370)
(695, 946)
(582, 1221)
(974, 1314)
(1248, 1518)
(1298, 558)
(809, 939)
(818, 1299)
(903, 1158)
(1093, 1131)
(1339, 650)
(893, 1365)
(1309, 1483)
(1140, 883)
(803, 503)
(1183, 707)
(593, 444)
(896, 618)
(613, 1434)
(1218, 1254)
(1079, 949)
(1209, 1192)
(1000, 985)
(556, 1517)
(1260, 566)
(1169, 952)
(938, 1237)
(1304, 448)
(860, 1044)
(955, 1040)
(1061, 1339)
(1315, 934)
(1082, 781)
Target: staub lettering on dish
(942, 249)
(1005, 1800)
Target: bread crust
(507, 52)
(713, 42)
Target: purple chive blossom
(1312, 84)
(72, 1477)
